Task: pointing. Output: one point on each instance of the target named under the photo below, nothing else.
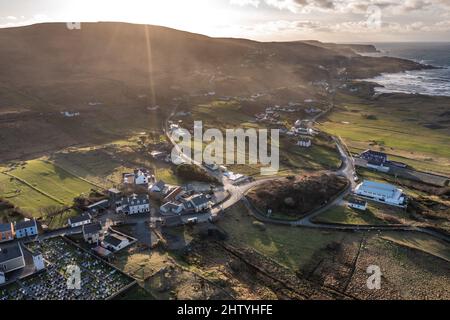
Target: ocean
(434, 82)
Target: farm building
(381, 192)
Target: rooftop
(10, 252)
(199, 200)
(114, 239)
(379, 186)
(92, 228)
(25, 224)
(357, 201)
(80, 218)
(5, 227)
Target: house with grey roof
(26, 228)
(159, 187)
(11, 258)
(134, 204)
(200, 202)
(115, 242)
(170, 208)
(93, 232)
(80, 220)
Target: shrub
(193, 172)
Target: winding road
(347, 170)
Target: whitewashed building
(381, 192)
(138, 177)
(134, 204)
(80, 220)
(115, 242)
(38, 261)
(304, 143)
(357, 204)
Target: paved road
(347, 170)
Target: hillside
(111, 72)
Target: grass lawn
(291, 247)
(24, 197)
(52, 180)
(220, 114)
(92, 164)
(36, 184)
(345, 215)
(165, 172)
(60, 220)
(393, 127)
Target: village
(27, 254)
(28, 268)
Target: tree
(193, 172)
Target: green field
(34, 185)
(397, 127)
(291, 247)
(224, 115)
(24, 197)
(345, 215)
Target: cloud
(254, 3)
(344, 6)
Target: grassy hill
(111, 72)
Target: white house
(171, 208)
(304, 131)
(115, 242)
(92, 233)
(80, 220)
(357, 204)
(134, 204)
(381, 192)
(304, 143)
(138, 177)
(38, 261)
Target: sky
(264, 20)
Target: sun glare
(197, 16)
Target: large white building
(381, 192)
